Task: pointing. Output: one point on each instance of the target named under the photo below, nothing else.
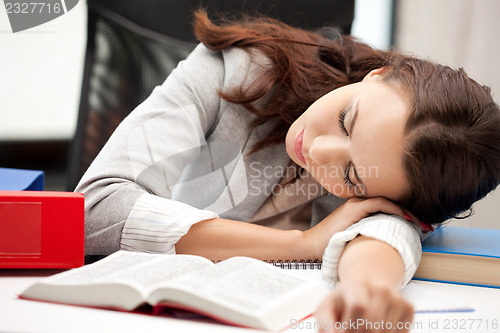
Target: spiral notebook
(296, 264)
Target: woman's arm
(370, 274)
(128, 187)
(219, 239)
(365, 258)
(370, 271)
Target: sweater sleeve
(402, 235)
(129, 187)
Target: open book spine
(296, 264)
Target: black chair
(133, 45)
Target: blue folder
(464, 241)
(21, 180)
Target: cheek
(324, 120)
(331, 178)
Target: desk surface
(19, 315)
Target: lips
(298, 147)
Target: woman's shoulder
(240, 65)
(233, 56)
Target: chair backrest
(133, 46)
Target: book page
(241, 282)
(142, 270)
(118, 281)
(311, 275)
(243, 291)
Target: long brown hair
(452, 155)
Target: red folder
(41, 229)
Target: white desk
(18, 315)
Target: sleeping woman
(277, 143)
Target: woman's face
(351, 140)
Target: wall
(41, 77)
(372, 22)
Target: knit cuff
(156, 224)
(393, 230)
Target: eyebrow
(354, 107)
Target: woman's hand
(364, 305)
(352, 211)
(425, 227)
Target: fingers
(329, 312)
(374, 310)
(377, 204)
(395, 314)
(380, 204)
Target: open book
(240, 291)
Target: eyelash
(342, 121)
(347, 180)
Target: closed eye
(347, 178)
(342, 120)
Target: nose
(327, 149)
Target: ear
(375, 74)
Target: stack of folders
(39, 229)
(461, 255)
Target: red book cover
(41, 229)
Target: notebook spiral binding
(290, 264)
(295, 264)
